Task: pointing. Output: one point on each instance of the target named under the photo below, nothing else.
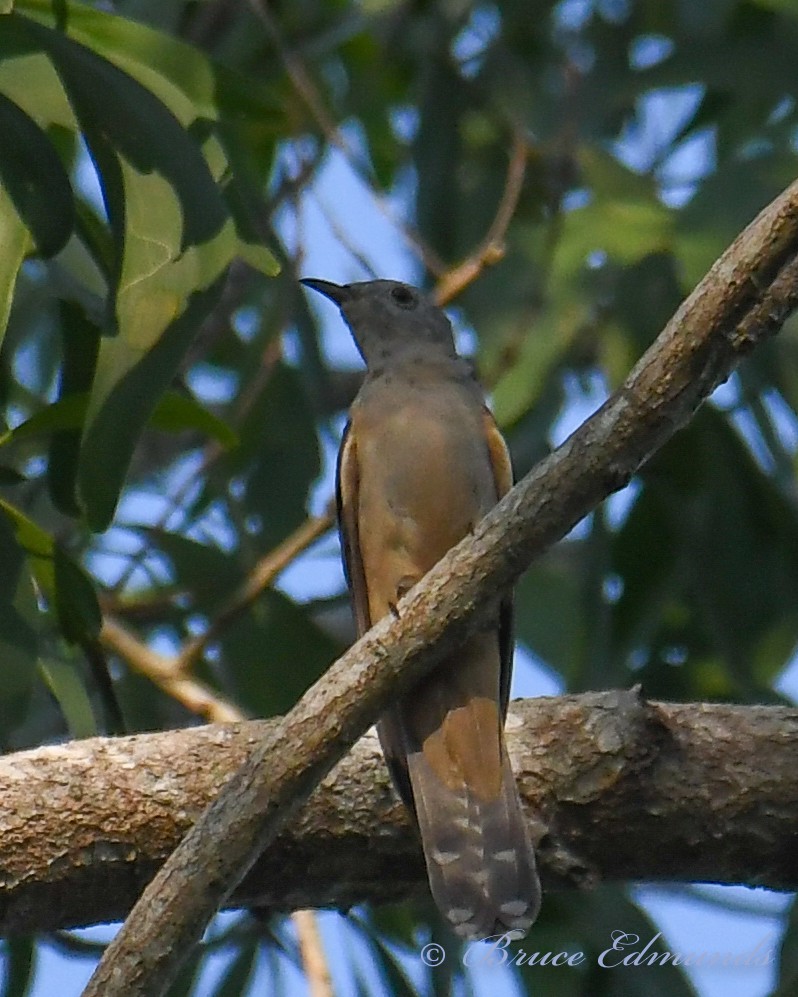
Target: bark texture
(615, 788)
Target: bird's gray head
(389, 320)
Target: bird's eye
(403, 296)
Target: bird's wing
(503, 477)
(347, 495)
(347, 485)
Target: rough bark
(743, 299)
(615, 788)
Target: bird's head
(389, 320)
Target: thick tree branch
(615, 788)
(744, 297)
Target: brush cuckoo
(421, 462)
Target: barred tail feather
(480, 861)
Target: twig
(317, 973)
(307, 90)
(171, 673)
(95, 655)
(193, 694)
(261, 576)
(745, 296)
(212, 453)
(299, 76)
(343, 238)
(491, 250)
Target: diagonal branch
(746, 295)
(197, 697)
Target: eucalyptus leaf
(64, 682)
(33, 177)
(15, 242)
(177, 412)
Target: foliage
(170, 404)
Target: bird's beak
(339, 293)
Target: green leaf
(524, 382)
(645, 557)
(788, 956)
(546, 596)
(11, 476)
(258, 257)
(129, 382)
(279, 453)
(35, 541)
(213, 572)
(172, 227)
(707, 558)
(270, 684)
(194, 89)
(624, 228)
(236, 978)
(81, 344)
(64, 584)
(131, 120)
(394, 978)
(647, 294)
(66, 685)
(19, 630)
(724, 204)
(242, 187)
(585, 923)
(623, 218)
(161, 172)
(443, 101)
(176, 412)
(14, 244)
(78, 610)
(19, 964)
(67, 413)
(28, 78)
(33, 177)
(149, 55)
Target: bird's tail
(480, 861)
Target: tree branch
(743, 298)
(195, 695)
(492, 248)
(615, 788)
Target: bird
(421, 462)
